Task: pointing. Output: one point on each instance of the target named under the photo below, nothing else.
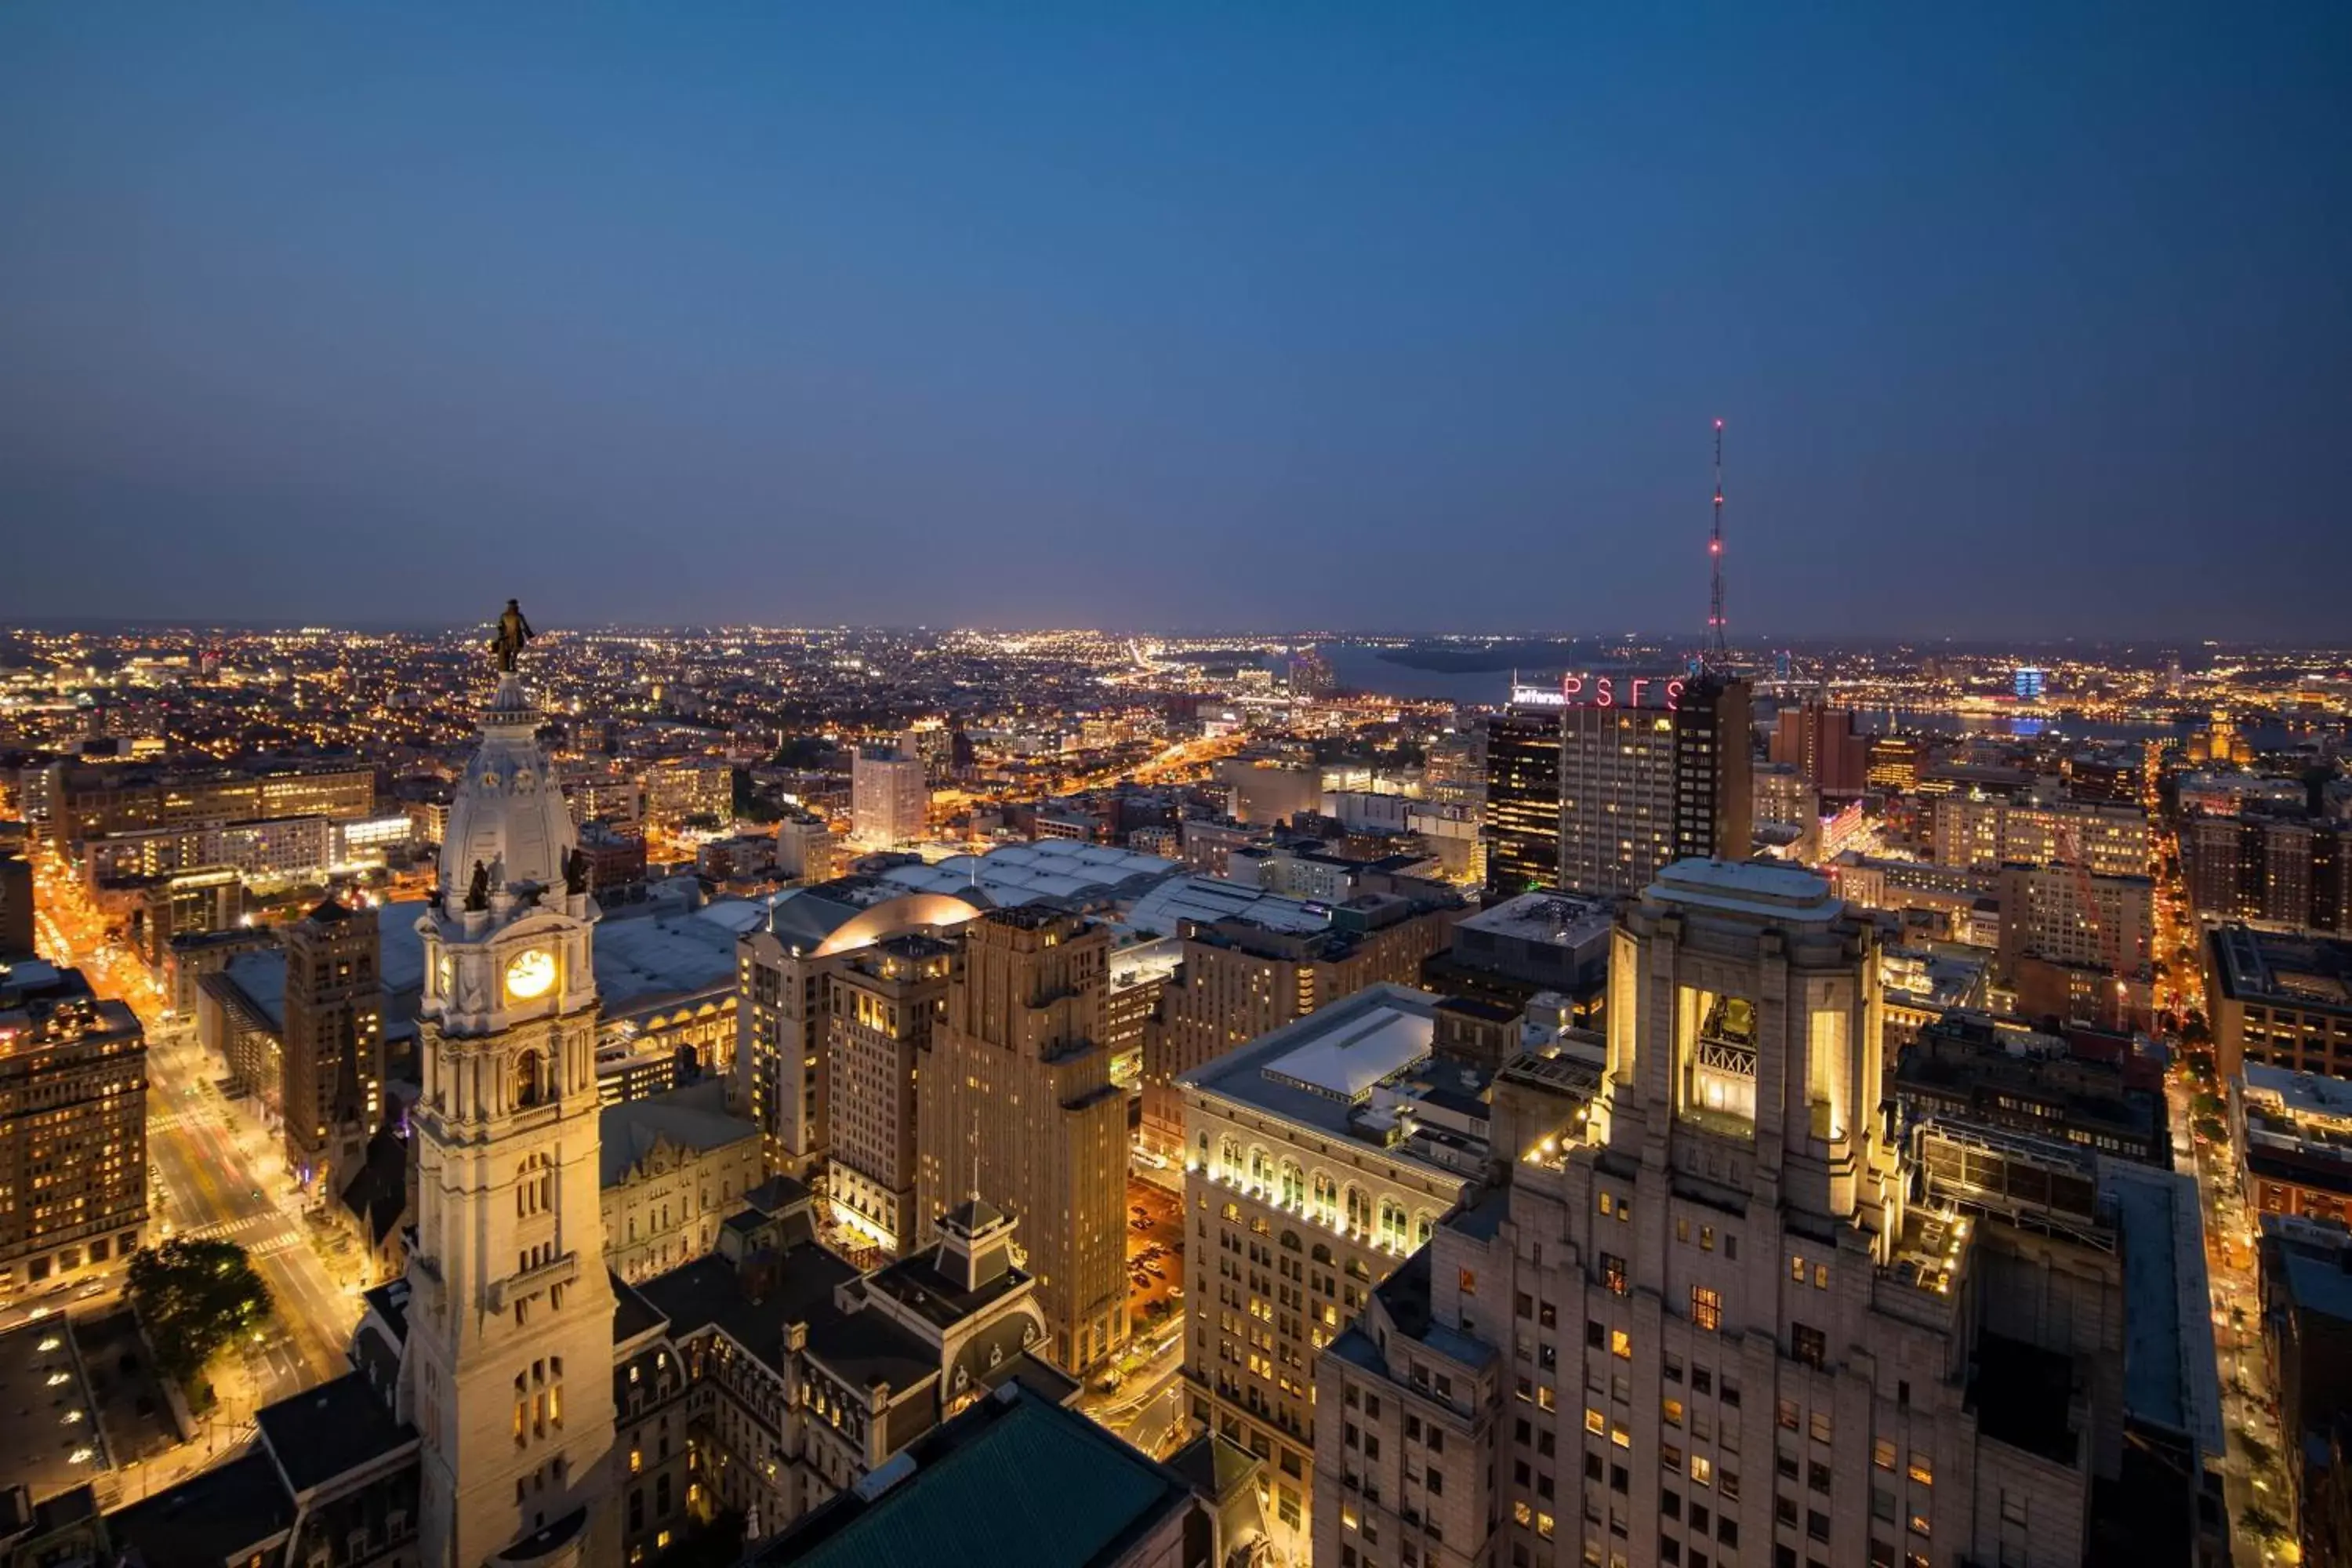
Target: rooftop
(2263, 966)
(1564, 919)
(329, 1431)
(1759, 888)
(708, 1292)
(1012, 1479)
(1163, 909)
(47, 1414)
(1017, 874)
(224, 1514)
(693, 1119)
(1313, 1070)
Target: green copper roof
(1037, 1485)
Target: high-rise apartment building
(2282, 1001)
(884, 1002)
(1986, 832)
(1018, 1109)
(689, 789)
(73, 1126)
(331, 1094)
(1820, 742)
(1317, 1157)
(1716, 1315)
(1895, 762)
(1241, 979)
(2061, 913)
(2283, 870)
(88, 801)
(887, 798)
(783, 1055)
(1642, 787)
(1522, 826)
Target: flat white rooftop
(1344, 1062)
(1748, 886)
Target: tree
(2210, 1128)
(2259, 1454)
(193, 1296)
(2207, 1104)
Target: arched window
(1393, 1222)
(1327, 1193)
(1294, 1185)
(1359, 1208)
(1290, 1241)
(1321, 1254)
(1261, 1166)
(1229, 1160)
(1424, 1225)
(1230, 1212)
(527, 1077)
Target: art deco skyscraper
(332, 1089)
(1018, 1109)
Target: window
(1922, 1469)
(1594, 1422)
(1808, 1344)
(1918, 1522)
(1881, 1453)
(1620, 1344)
(1787, 1415)
(2012, 1507)
(1817, 1476)
(1672, 1409)
(1612, 1272)
(1702, 1469)
(1820, 1424)
(1706, 1307)
(1728, 1483)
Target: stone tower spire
(509, 1373)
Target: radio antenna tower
(1716, 654)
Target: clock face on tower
(529, 973)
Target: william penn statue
(514, 632)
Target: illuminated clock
(529, 973)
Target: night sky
(2026, 321)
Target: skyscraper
(1820, 742)
(1719, 1314)
(333, 1087)
(1018, 1111)
(887, 798)
(884, 1002)
(1522, 828)
(1643, 787)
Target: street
(2249, 1403)
(209, 1176)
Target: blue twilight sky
(2026, 320)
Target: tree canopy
(193, 1296)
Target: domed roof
(510, 814)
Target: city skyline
(2022, 324)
